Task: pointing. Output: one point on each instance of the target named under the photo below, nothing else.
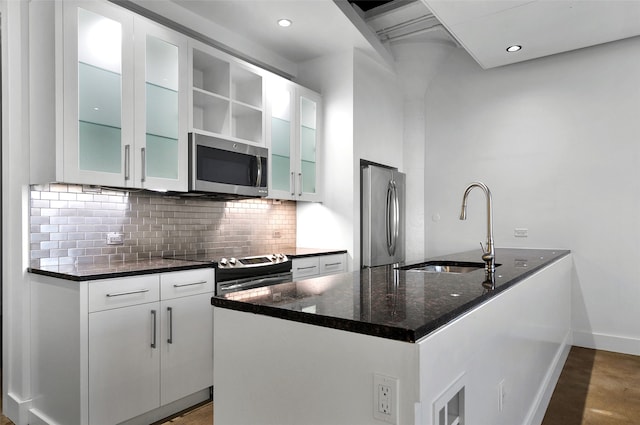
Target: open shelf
(228, 97)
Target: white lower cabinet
(319, 265)
(124, 366)
(131, 346)
(186, 360)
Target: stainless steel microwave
(225, 167)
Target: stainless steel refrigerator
(382, 215)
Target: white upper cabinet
(227, 96)
(161, 119)
(294, 140)
(124, 100)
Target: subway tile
(49, 228)
(49, 245)
(49, 195)
(58, 236)
(68, 244)
(39, 220)
(59, 220)
(54, 253)
(154, 224)
(68, 196)
(38, 203)
(67, 228)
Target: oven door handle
(235, 286)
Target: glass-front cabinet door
(308, 128)
(281, 126)
(125, 99)
(293, 127)
(161, 120)
(98, 83)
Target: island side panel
(520, 338)
(275, 371)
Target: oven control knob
(223, 262)
(274, 257)
(232, 261)
(281, 257)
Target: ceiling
(483, 27)
(319, 27)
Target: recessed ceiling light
(284, 23)
(514, 48)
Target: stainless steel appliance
(224, 167)
(382, 218)
(238, 274)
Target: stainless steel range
(237, 274)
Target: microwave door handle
(259, 174)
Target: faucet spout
(488, 253)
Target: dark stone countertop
(387, 302)
(82, 272)
(117, 269)
(297, 252)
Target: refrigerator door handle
(390, 211)
(396, 216)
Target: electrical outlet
(521, 232)
(114, 238)
(385, 398)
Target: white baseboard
(605, 342)
(541, 403)
(38, 418)
(169, 409)
(17, 410)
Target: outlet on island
(385, 395)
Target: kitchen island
(315, 351)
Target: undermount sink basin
(444, 267)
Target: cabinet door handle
(119, 294)
(127, 159)
(300, 181)
(170, 314)
(153, 329)
(306, 268)
(293, 183)
(182, 285)
(332, 264)
(143, 155)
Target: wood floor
(595, 388)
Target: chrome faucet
(488, 254)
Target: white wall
(362, 119)
(556, 140)
(417, 60)
(377, 125)
(329, 225)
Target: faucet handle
(482, 248)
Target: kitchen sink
(445, 266)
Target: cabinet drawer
(332, 263)
(122, 292)
(303, 267)
(184, 283)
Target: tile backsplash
(69, 225)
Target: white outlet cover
(390, 386)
